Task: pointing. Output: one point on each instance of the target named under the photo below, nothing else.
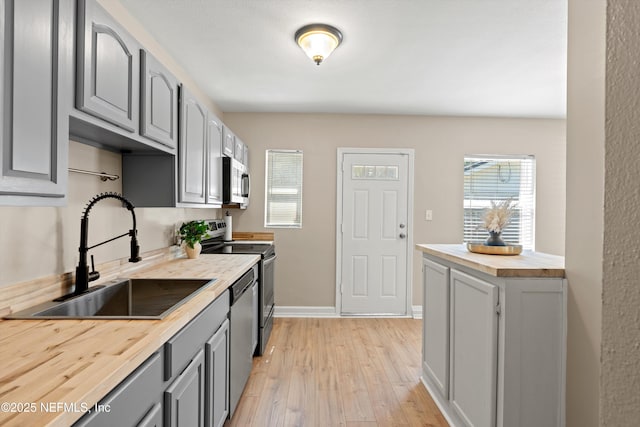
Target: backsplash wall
(42, 241)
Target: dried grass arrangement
(499, 215)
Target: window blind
(283, 189)
(497, 178)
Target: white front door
(374, 233)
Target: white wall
(41, 241)
(306, 263)
(585, 193)
(620, 351)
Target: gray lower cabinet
(186, 383)
(435, 330)
(474, 346)
(134, 402)
(494, 347)
(217, 377)
(159, 101)
(153, 417)
(107, 68)
(256, 316)
(36, 50)
(184, 400)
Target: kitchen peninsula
(494, 336)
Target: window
(283, 190)
(498, 178)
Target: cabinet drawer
(179, 350)
(130, 401)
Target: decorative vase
(193, 253)
(495, 239)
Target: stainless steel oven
(267, 297)
(266, 274)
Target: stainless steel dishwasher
(241, 328)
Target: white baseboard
(310, 311)
(417, 311)
(304, 311)
(436, 399)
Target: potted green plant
(191, 234)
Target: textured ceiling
(436, 57)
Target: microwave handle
(246, 189)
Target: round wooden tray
(481, 248)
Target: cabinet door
(228, 143)
(435, 331)
(191, 153)
(35, 47)
(153, 417)
(238, 150)
(474, 335)
(159, 104)
(108, 68)
(256, 318)
(217, 371)
(184, 400)
(130, 402)
(214, 160)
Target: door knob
(402, 225)
(402, 235)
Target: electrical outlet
(428, 215)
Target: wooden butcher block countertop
(56, 362)
(527, 264)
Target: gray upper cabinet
(159, 101)
(108, 68)
(238, 151)
(228, 143)
(36, 52)
(192, 149)
(245, 160)
(214, 160)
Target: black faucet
(83, 275)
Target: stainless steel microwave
(236, 185)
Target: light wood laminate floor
(339, 372)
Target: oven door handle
(270, 259)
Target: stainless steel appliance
(266, 273)
(235, 182)
(241, 321)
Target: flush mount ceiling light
(318, 40)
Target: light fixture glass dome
(318, 41)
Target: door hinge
(342, 228)
(498, 309)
